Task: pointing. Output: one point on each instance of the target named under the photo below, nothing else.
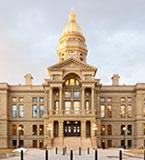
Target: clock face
(72, 54)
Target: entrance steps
(72, 142)
(58, 142)
(86, 142)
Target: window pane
(72, 81)
(129, 129)
(34, 99)
(14, 99)
(56, 107)
(67, 82)
(77, 82)
(14, 111)
(21, 99)
(34, 111)
(109, 99)
(41, 111)
(129, 110)
(76, 107)
(102, 130)
(123, 129)
(144, 110)
(67, 94)
(122, 99)
(41, 130)
(21, 111)
(109, 130)
(76, 94)
(14, 130)
(109, 111)
(129, 143)
(41, 99)
(102, 99)
(102, 111)
(67, 107)
(122, 114)
(34, 132)
(129, 99)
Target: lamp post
(124, 129)
(19, 129)
(95, 128)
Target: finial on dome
(72, 16)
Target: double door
(72, 128)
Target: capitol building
(72, 109)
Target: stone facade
(72, 108)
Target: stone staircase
(72, 143)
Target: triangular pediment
(73, 64)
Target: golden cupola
(72, 42)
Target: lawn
(136, 151)
(4, 151)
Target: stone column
(50, 100)
(61, 132)
(83, 101)
(60, 100)
(92, 99)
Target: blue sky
(114, 32)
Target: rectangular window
(67, 107)
(21, 143)
(41, 111)
(76, 107)
(56, 105)
(14, 99)
(21, 111)
(34, 111)
(41, 99)
(14, 111)
(129, 99)
(122, 143)
(144, 110)
(34, 99)
(87, 105)
(102, 111)
(14, 143)
(21, 99)
(109, 99)
(122, 99)
(129, 111)
(41, 130)
(122, 113)
(129, 130)
(76, 94)
(129, 143)
(67, 94)
(109, 111)
(102, 99)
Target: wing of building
(72, 108)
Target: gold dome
(72, 26)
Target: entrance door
(72, 128)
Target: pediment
(72, 64)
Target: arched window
(109, 111)
(14, 130)
(34, 128)
(109, 130)
(72, 81)
(102, 129)
(129, 129)
(123, 129)
(21, 129)
(41, 130)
